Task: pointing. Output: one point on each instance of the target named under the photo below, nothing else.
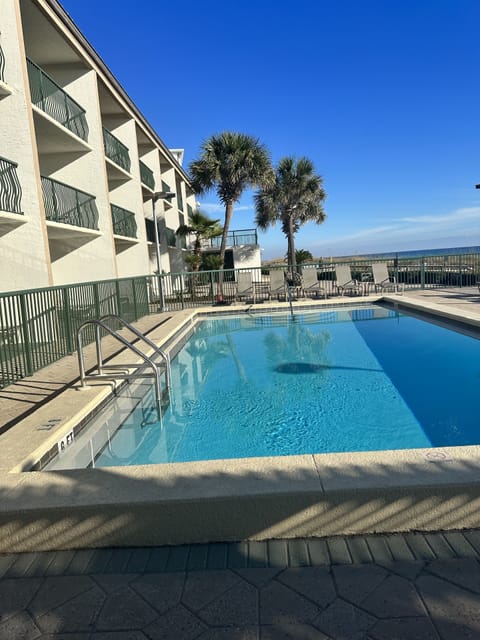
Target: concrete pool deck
(256, 499)
(397, 587)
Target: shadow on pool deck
(372, 588)
(21, 399)
(229, 500)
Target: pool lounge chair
(245, 285)
(345, 282)
(310, 284)
(277, 284)
(382, 281)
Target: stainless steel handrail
(81, 362)
(289, 294)
(139, 334)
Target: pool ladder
(289, 294)
(123, 370)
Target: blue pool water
(358, 379)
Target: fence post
(395, 268)
(26, 337)
(67, 319)
(212, 286)
(134, 293)
(460, 270)
(422, 273)
(182, 292)
(161, 290)
(119, 301)
(96, 300)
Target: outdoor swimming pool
(353, 379)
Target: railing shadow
(226, 501)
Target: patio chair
(345, 282)
(245, 285)
(310, 284)
(382, 281)
(201, 291)
(277, 284)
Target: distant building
(243, 250)
(79, 164)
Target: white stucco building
(79, 165)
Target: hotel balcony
(150, 230)
(115, 150)
(234, 239)
(4, 88)
(48, 97)
(10, 197)
(10, 189)
(146, 176)
(118, 159)
(124, 228)
(71, 214)
(2, 65)
(179, 200)
(166, 189)
(171, 237)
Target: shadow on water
(309, 367)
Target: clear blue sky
(382, 95)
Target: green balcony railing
(115, 150)
(146, 176)
(10, 189)
(2, 66)
(235, 238)
(171, 237)
(179, 200)
(48, 96)
(165, 187)
(68, 205)
(189, 211)
(150, 230)
(124, 223)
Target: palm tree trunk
(291, 246)
(223, 246)
(226, 225)
(197, 250)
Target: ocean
(451, 251)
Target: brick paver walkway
(398, 587)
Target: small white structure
(242, 251)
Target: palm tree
(295, 198)
(202, 228)
(230, 163)
(303, 255)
